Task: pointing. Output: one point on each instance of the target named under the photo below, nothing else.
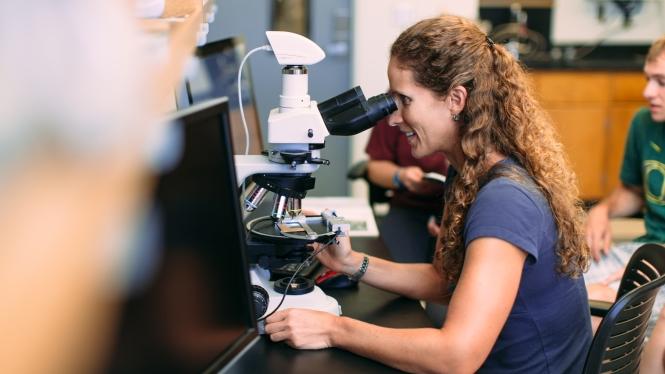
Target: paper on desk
(354, 209)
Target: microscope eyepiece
(380, 106)
(349, 113)
(341, 102)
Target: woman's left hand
(301, 328)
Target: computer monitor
(214, 75)
(195, 313)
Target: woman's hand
(301, 328)
(338, 255)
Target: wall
(376, 24)
(251, 18)
(330, 77)
(647, 23)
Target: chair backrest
(617, 345)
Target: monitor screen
(215, 74)
(195, 312)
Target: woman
(511, 249)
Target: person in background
(415, 201)
(641, 187)
(511, 241)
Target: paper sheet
(355, 210)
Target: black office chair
(617, 345)
(377, 194)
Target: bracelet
(363, 269)
(397, 183)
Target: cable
(286, 289)
(530, 41)
(242, 111)
(585, 50)
(268, 48)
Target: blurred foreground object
(75, 118)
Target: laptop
(214, 74)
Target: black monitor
(195, 312)
(215, 74)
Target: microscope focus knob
(261, 299)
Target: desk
(627, 229)
(364, 303)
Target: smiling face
(423, 116)
(654, 91)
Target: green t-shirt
(644, 165)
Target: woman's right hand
(338, 255)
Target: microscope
(296, 135)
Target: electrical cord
(531, 41)
(268, 48)
(242, 111)
(286, 289)
(585, 50)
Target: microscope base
(315, 300)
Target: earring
(455, 117)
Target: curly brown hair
(501, 114)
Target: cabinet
(592, 112)
(173, 38)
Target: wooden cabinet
(177, 30)
(592, 112)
